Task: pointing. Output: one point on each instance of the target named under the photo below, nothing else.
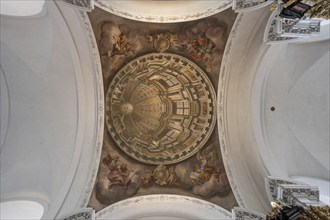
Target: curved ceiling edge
(22, 8)
(220, 109)
(90, 106)
(163, 205)
(236, 132)
(5, 109)
(21, 209)
(54, 152)
(184, 12)
(98, 139)
(82, 116)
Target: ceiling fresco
(159, 108)
(160, 135)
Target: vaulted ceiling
(138, 98)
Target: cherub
(173, 179)
(206, 168)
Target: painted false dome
(160, 108)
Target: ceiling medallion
(160, 108)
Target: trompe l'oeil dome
(160, 108)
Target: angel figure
(206, 167)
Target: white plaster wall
(21, 7)
(93, 104)
(293, 140)
(298, 129)
(21, 209)
(42, 124)
(51, 111)
(239, 147)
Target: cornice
(220, 110)
(163, 199)
(86, 25)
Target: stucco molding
(84, 5)
(5, 108)
(154, 18)
(83, 214)
(248, 5)
(220, 109)
(241, 214)
(100, 109)
(271, 36)
(244, 165)
(163, 199)
(271, 184)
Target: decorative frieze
(84, 214)
(273, 31)
(221, 103)
(246, 214)
(86, 25)
(302, 195)
(281, 29)
(273, 182)
(299, 28)
(248, 5)
(292, 192)
(85, 5)
(158, 202)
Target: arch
(21, 209)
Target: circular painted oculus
(160, 108)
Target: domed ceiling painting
(160, 135)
